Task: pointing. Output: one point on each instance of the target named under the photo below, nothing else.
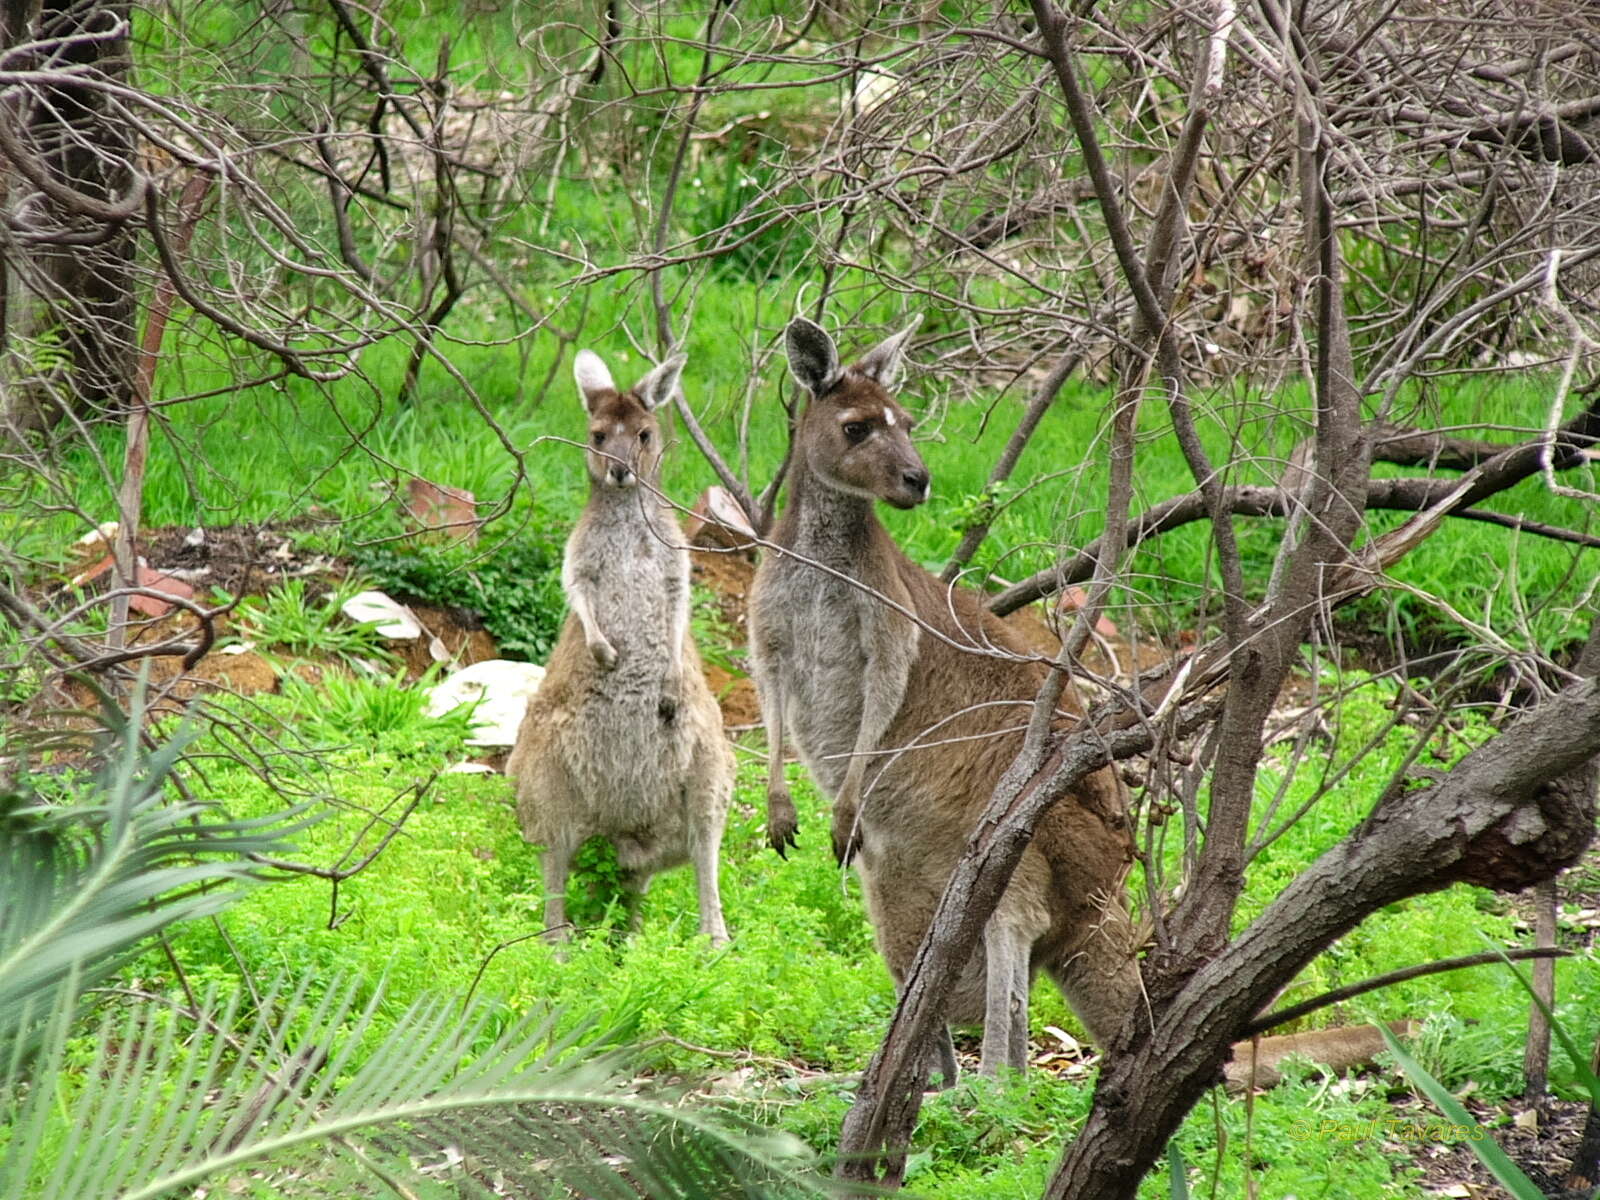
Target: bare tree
(1268, 232)
(1509, 814)
(71, 193)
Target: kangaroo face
(854, 436)
(858, 440)
(624, 442)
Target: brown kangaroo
(623, 739)
(908, 732)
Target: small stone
(394, 620)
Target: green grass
(288, 620)
(450, 905)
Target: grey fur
(657, 387)
(845, 677)
(624, 740)
(812, 358)
(885, 361)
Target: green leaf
(1580, 1060)
(1485, 1147)
(83, 884)
(1177, 1173)
(439, 1101)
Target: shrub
(515, 589)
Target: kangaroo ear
(657, 387)
(593, 378)
(884, 361)
(813, 361)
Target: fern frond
(82, 884)
(439, 1105)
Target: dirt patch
(736, 696)
(460, 633)
(1540, 1139)
(727, 575)
(240, 559)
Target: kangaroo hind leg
(1005, 1011)
(705, 797)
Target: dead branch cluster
(1269, 231)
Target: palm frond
(83, 883)
(440, 1104)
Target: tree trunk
(1585, 1173)
(1536, 1053)
(1502, 818)
(69, 192)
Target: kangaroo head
(853, 435)
(624, 435)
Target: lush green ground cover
(801, 984)
(780, 1020)
(793, 1007)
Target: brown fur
(624, 739)
(1340, 1049)
(848, 678)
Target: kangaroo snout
(909, 489)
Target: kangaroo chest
(639, 592)
(822, 627)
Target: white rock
(395, 620)
(874, 87)
(98, 539)
(499, 687)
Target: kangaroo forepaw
(783, 825)
(846, 838)
(605, 654)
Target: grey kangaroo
(908, 733)
(623, 739)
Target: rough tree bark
(71, 193)
(1503, 818)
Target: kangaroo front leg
(783, 823)
(603, 652)
(883, 689)
(1005, 1010)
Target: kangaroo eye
(855, 431)
(644, 437)
(599, 439)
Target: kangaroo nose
(917, 480)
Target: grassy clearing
(794, 1006)
(800, 998)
